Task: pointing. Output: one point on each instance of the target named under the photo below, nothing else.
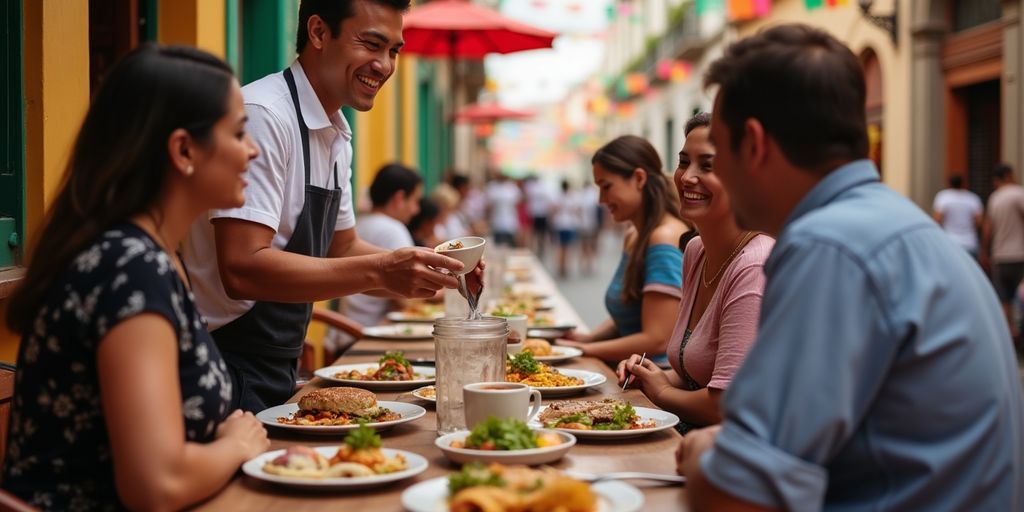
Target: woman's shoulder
(668, 232)
(756, 251)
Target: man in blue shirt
(883, 376)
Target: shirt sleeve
(141, 284)
(821, 355)
(663, 270)
(267, 174)
(738, 324)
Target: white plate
(409, 412)
(400, 316)
(663, 420)
(432, 496)
(415, 463)
(555, 325)
(531, 457)
(404, 332)
(590, 379)
(327, 373)
(560, 354)
(420, 393)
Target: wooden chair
(313, 352)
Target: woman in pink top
(723, 281)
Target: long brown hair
(622, 157)
(119, 162)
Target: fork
(625, 475)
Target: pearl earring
(189, 170)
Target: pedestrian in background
(566, 213)
(960, 213)
(1003, 244)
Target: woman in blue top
(644, 294)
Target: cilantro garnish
(363, 437)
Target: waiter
(256, 270)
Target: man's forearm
(279, 276)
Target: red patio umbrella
(489, 113)
(460, 29)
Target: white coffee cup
(501, 400)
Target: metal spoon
(626, 475)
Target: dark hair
(333, 12)
(459, 180)
(1003, 171)
(956, 181)
(428, 212)
(119, 162)
(700, 119)
(391, 179)
(622, 157)
(805, 88)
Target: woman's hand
(650, 379)
(582, 345)
(244, 428)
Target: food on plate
(607, 414)
(298, 461)
(523, 368)
(504, 488)
(359, 456)
(507, 434)
(538, 347)
(426, 392)
(338, 406)
(450, 246)
(392, 366)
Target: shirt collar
(843, 178)
(312, 110)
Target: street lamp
(887, 23)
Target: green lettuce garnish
(472, 475)
(507, 434)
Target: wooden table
(652, 453)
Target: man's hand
(411, 272)
(693, 445)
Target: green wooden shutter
(12, 134)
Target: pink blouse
(723, 335)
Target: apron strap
(303, 130)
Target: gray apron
(262, 346)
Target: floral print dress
(58, 452)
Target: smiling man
(255, 270)
(882, 377)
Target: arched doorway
(874, 105)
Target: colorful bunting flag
(710, 6)
(741, 10)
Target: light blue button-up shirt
(883, 376)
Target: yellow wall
(410, 111)
(56, 72)
(848, 25)
(375, 134)
(194, 22)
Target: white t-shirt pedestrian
(503, 197)
(539, 198)
(567, 214)
(959, 208)
(386, 232)
(276, 182)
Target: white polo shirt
(276, 182)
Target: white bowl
(531, 457)
(470, 253)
